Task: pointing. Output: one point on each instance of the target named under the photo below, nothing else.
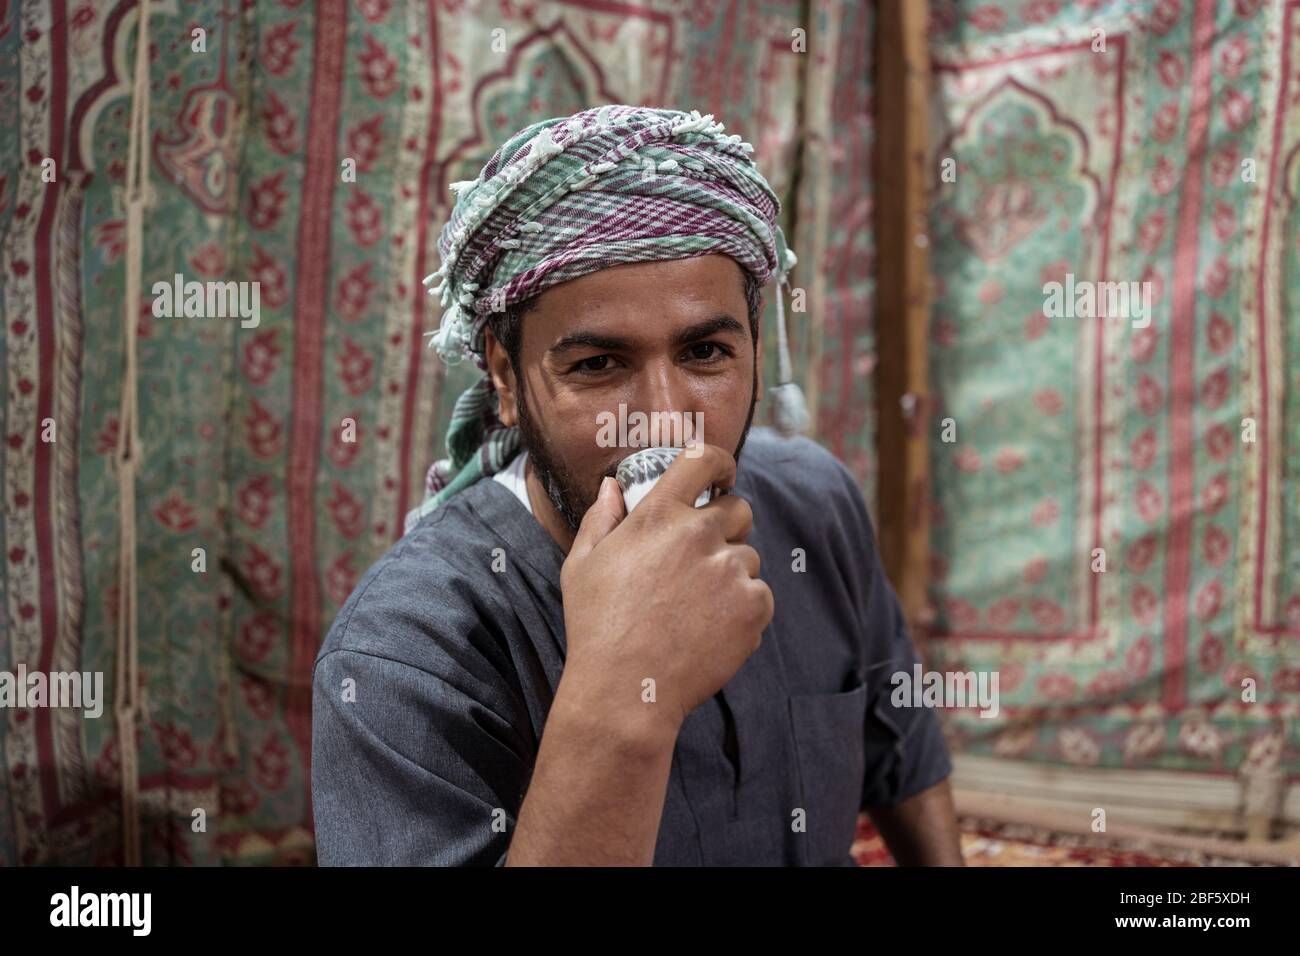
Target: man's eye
(596, 363)
(707, 351)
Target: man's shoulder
(422, 585)
(797, 470)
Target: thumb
(601, 518)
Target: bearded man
(532, 675)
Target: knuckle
(740, 564)
(735, 508)
(694, 528)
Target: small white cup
(638, 472)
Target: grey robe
(453, 667)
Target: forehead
(685, 287)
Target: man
(534, 676)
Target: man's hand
(669, 593)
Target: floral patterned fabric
(1171, 156)
(1071, 435)
(244, 430)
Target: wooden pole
(902, 299)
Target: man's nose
(665, 390)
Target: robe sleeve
(417, 758)
(905, 747)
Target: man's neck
(544, 511)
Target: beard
(565, 489)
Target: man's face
(668, 337)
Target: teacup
(638, 472)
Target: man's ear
(758, 358)
(503, 379)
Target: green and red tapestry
(1154, 142)
(1170, 156)
(243, 429)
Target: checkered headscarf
(571, 195)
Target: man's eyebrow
(614, 343)
(702, 330)
(580, 340)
